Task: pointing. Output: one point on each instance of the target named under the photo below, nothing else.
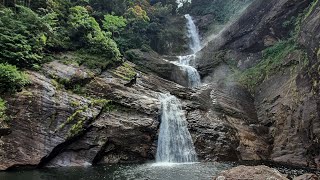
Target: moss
(26, 93)
(76, 128)
(78, 89)
(311, 8)
(72, 118)
(75, 103)
(63, 81)
(56, 84)
(125, 71)
(107, 105)
(3, 108)
(270, 63)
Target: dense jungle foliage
(33, 30)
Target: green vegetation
(85, 31)
(114, 24)
(72, 118)
(311, 8)
(98, 31)
(272, 62)
(125, 71)
(23, 35)
(11, 79)
(273, 57)
(78, 120)
(76, 128)
(3, 108)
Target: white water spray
(174, 143)
(187, 62)
(181, 2)
(193, 34)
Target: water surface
(151, 171)
(196, 171)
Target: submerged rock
(251, 172)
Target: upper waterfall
(175, 143)
(193, 34)
(187, 62)
(181, 2)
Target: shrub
(11, 79)
(271, 62)
(23, 36)
(86, 32)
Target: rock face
(307, 177)
(260, 26)
(54, 127)
(228, 128)
(153, 62)
(286, 102)
(251, 172)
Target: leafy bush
(113, 23)
(11, 79)
(23, 36)
(86, 32)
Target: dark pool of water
(197, 171)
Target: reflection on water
(157, 171)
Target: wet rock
(68, 74)
(251, 172)
(260, 26)
(222, 128)
(307, 177)
(42, 121)
(153, 62)
(286, 103)
(4, 129)
(120, 136)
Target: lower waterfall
(174, 143)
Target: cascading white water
(187, 62)
(174, 143)
(193, 33)
(181, 2)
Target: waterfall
(187, 62)
(193, 34)
(174, 143)
(181, 2)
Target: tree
(23, 35)
(86, 32)
(114, 24)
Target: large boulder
(251, 172)
(43, 121)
